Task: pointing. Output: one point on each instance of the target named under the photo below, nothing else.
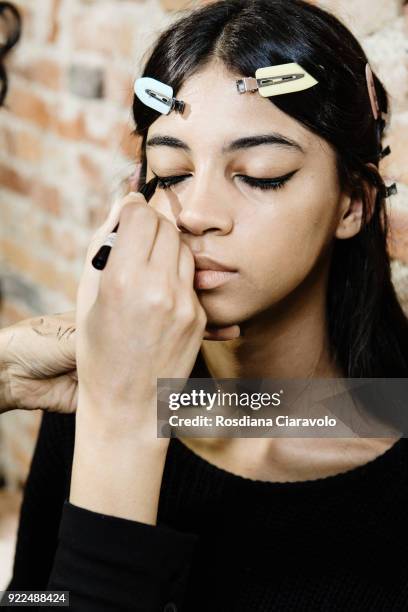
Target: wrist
(119, 428)
(118, 475)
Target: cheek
(283, 245)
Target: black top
(222, 543)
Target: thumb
(65, 331)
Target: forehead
(216, 113)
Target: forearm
(117, 475)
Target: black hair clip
(390, 190)
(384, 152)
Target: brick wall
(66, 147)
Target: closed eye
(165, 182)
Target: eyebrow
(245, 142)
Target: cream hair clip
(277, 80)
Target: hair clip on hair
(375, 107)
(276, 80)
(379, 116)
(157, 95)
(390, 190)
(385, 152)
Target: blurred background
(67, 150)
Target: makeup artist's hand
(37, 364)
(139, 319)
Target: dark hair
(11, 26)
(368, 329)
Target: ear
(352, 208)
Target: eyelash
(165, 182)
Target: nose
(203, 209)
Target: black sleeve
(110, 564)
(40, 513)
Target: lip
(210, 279)
(204, 262)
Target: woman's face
(274, 238)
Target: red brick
(33, 108)
(10, 179)
(93, 173)
(28, 105)
(72, 129)
(119, 85)
(63, 242)
(47, 235)
(91, 31)
(23, 145)
(43, 71)
(46, 197)
(129, 143)
(68, 245)
(77, 130)
(42, 272)
(97, 211)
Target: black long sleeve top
(223, 542)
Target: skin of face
(279, 241)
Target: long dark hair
(10, 25)
(368, 329)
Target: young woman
(285, 193)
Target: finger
(67, 343)
(222, 333)
(100, 235)
(67, 316)
(65, 333)
(165, 252)
(90, 278)
(59, 394)
(138, 225)
(186, 264)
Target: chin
(221, 312)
